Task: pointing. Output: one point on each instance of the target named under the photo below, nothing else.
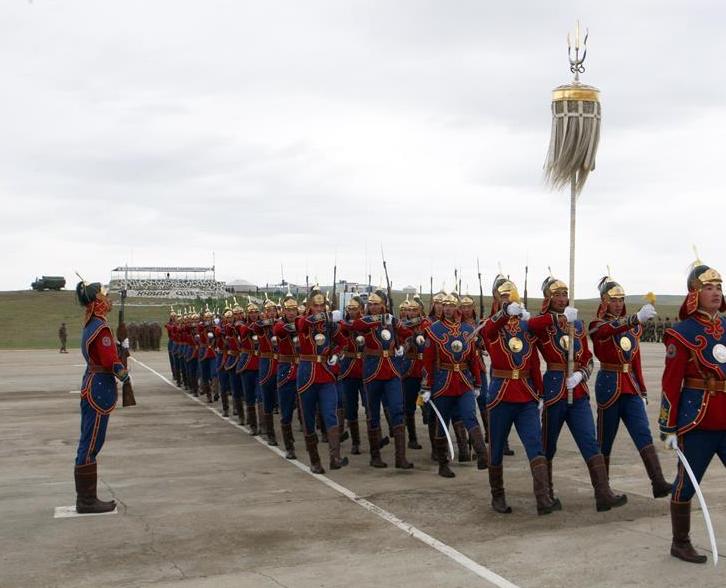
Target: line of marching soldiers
(289, 356)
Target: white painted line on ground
(67, 512)
(448, 551)
(74, 392)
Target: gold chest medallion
(565, 342)
(515, 344)
(625, 344)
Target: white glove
(645, 401)
(514, 309)
(420, 340)
(125, 343)
(570, 314)
(216, 320)
(333, 359)
(425, 395)
(573, 380)
(399, 351)
(477, 392)
(540, 405)
(671, 441)
(388, 319)
(210, 335)
(525, 315)
(646, 313)
(337, 316)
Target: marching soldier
(248, 367)
(192, 351)
(268, 365)
(693, 404)
(381, 376)
(206, 353)
(316, 380)
(63, 336)
(513, 394)
(98, 394)
(552, 329)
(452, 381)
(170, 345)
(411, 311)
(233, 355)
(659, 330)
(351, 370)
(220, 346)
(620, 387)
(285, 332)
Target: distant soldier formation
(475, 377)
(145, 336)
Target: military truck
(48, 283)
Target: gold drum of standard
(625, 344)
(565, 342)
(515, 344)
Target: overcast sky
(152, 132)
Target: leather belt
(712, 386)
(351, 355)
(98, 369)
(267, 355)
(314, 358)
(623, 368)
(453, 367)
(560, 367)
(286, 358)
(233, 353)
(378, 352)
(510, 374)
(414, 355)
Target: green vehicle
(48, 283)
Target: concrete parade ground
(202, 503)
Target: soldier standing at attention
(63, 336)
(98, 393)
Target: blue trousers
(324, 396)
(390, 394)
(206, 369)
(579, 420)
(93, 433)
(630, 409)
(269, 392)
(464, 406)
(287, 394)
(222, 377)
(250, 385)
(481, 401)
(699, 446)
(525, 417)
(192, 366)
(235, 382)
(352, 387)
(411, 388)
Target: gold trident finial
(576, 61)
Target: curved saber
(444, 427)
(702, 501)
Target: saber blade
(445, 428)
(702, 501)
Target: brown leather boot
(681, 546)
(605, 498)
(225, 404)
(661, 488)
(87, 501)
(555, 501)
(496, 483)
(432, 436)
(541, 486)
(260, 418)
(355, 437)
(374, 440)
(441, 448)
(270, 428)
(399, 441)
(344, 436)
(215, 389)
(334, 446)
(462, 442)
(311, 444)
(241, 412)
(207, 391)
(288, 440)
(411, 428)
(606, 458)
(321, 425)
(485, 423)
(252, 419)
(480, 448)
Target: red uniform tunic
(443, 372)
(249, 352)
(350, 353)
(378, 351)
(313, 364)
(286, 352)
(263, 330)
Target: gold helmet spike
(268, 303)
(172, 312)
(251, 306)
(207, 312)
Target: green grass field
(31, 319)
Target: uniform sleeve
(601, 329)
(494, 324)
(675, 369)
(535, 373)
(538, 324)
(429, 356)
(103, 351)
(585, 358)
